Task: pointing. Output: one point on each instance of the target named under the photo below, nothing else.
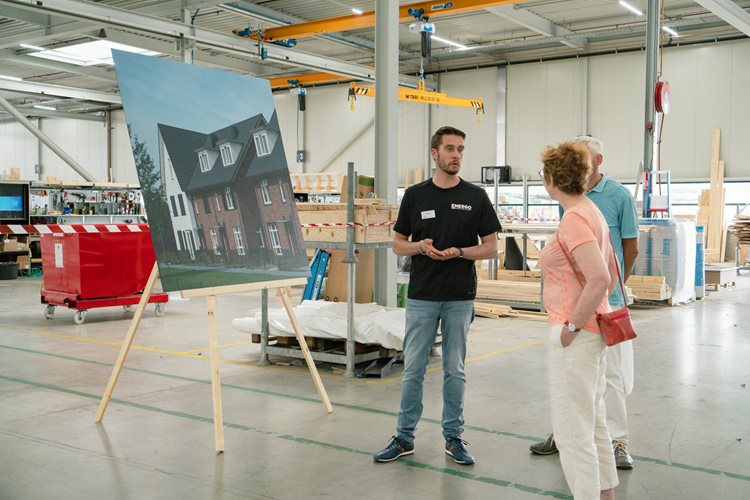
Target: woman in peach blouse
(578, 265)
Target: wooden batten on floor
(487, 310)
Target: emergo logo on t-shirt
(458, 206)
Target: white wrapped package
(373, 324)
(666, 247)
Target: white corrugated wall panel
(481, 135)
(123, 164)
(329, 123)
(735, 140)
(545, 106)
(709, 90)
(84, 141)
(617, 110)
(286, 112)
(18, 149)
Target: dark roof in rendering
(241, 132)
(269, 164)
(181, 145)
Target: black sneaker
(623, 460)
(396, 448)
(546, 447)
(456, 447)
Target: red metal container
(97, 265)
(91, 266)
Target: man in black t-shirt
(444, 224)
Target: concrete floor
(689, 413)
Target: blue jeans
(422, 319)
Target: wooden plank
(126, 342)
(715, 146)
(243, 287)
(640, 278)
(306, 351)
(213, 343)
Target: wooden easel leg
(126, 343)
(306, 351)
(215, 375)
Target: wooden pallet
(649, 302)
(716, 286)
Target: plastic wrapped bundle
(667, 247)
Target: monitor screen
(14, 203)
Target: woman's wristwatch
(571, 327)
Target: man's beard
(449, 167)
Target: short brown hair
(437, 137)
(568, 166)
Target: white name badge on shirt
(428, 214)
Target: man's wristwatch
(460, 253)
(571, 327)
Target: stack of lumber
(522, 276)
(486, 310)
(741, 228)
(711, 205)
(509, 288)
(649, 287)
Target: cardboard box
(9, 245)
(24, 262)
(332, 218)
(338, 274)
(717, 275)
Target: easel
(211, 294)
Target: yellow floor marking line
(108, 342)
(253, 364)
(492, 354)
(223, 346)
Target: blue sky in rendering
(187, 96)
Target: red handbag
(616, 326)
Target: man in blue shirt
(618, 207)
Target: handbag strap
(576, 272)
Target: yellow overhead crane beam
(306, 79)
(418, 95)
(367, 19)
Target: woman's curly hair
(568, 166)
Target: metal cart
(101, 265)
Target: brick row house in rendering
(230, 195)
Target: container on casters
(97, 267)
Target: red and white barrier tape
(536, 219)
(348, 224)
(22, 229)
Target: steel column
(386, 134)
(652, 58)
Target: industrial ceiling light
(90, 53)
(13, 78)
(32, 47)
(48, 108)
(670, 31)
(450, 42)
(631, 8)
(356, 11)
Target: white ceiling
(496, 35)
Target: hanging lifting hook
(352, 96)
